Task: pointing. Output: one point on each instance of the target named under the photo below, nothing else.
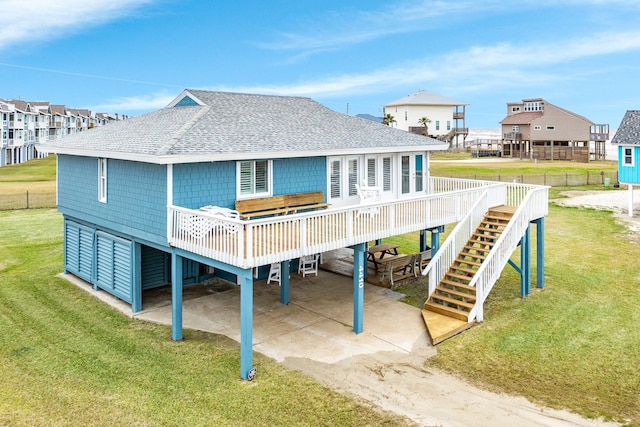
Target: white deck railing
(531, 202)
(263, 241)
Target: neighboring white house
(447, 116)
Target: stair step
(458, 285)
(447, 311)
(482, 246)
(503, 209)
(469, 271)
(474, 255)
(458, 276)
(491, 228)
(482, 239)
(498, 218)
(462, 305)
(468, 296)
(460, 260)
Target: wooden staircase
(447, 310)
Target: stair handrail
(491, 268)
(459, 236)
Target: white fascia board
(216, 157)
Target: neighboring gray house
(537, 129)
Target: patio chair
(223, 214)
(368, 195)
(274, 273)
(308, 264)
(422, 260)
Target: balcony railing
(513, 136)
(250, 243)
(532, 202)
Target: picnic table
(383, 249)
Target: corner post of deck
(525, 263)
(136, 294)
(359, 267)
(423, 240)
(285, 294)
(245, 280)
(176, 296)
(435, 238)
(539, 252)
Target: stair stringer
(489, 271)
(491, 268)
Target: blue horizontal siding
(136, 195)
(629, 174)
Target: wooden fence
(27, 200)
(551, 179)
(35, 200)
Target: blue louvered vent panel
(79, 250)
(85, 268)
(113, 265)
(122, 277)
(155, 268)
(71, 249)
(104, 262)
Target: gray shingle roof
(628, 132)
(231, 126)
(424, 97)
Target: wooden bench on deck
(280, 205)
(398, 268)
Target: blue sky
(134, 56)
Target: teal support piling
(435, 238)
(176, 296)
(285, 287)
(423, 240)
(136, 295)
(245, 279)
(525, 263)
(539, 252)
(359, 267)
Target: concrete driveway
(385, 365)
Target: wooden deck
(441, 327)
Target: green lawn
(68, 359)
(35, 175)
(574, 344)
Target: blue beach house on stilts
(627, 138)
(230, 184)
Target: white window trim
(624, 157)
(267, 193)
(102, 180)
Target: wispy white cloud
(478, 67)
(32, 20)
(141, 103)
(348, 27)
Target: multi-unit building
(445, 117)
(539, 130)
(24, 124)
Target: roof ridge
(183, 129)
